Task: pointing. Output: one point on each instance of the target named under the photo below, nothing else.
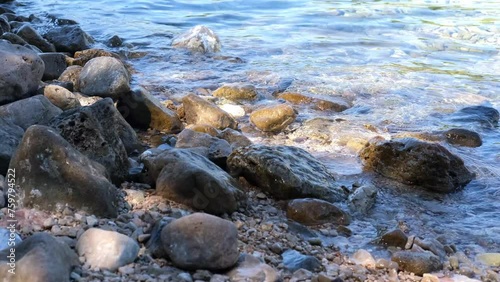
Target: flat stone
(273, 118)
(55, 65)
(236, 92)
(285, 172)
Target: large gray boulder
(69, 38)
(414, 162)
(55, 174)
(20, 73)
(193, 180)
(27, 112)
(201, 241)
(92, 130)
(285, 172)
(39, 258)
(104, 77)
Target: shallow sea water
(404, 65)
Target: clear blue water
(403, 65)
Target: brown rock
(71, 74)
(204, 128)
(82, 57)
(316, 212)
(61, 97)
(236, 92)
(199, 111)
(273, 118)
(321, 103)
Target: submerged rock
(315, 212)
(363, 199)
(250, 268)
(21, 71)
(463, 137)
(285, 172)
(199, 111)
(482, 114)
(236, 92)
(418, 163)
(492, 259)
(201, 241)
(273, 118)
(321, 103)
(198, 39)
(55, 174)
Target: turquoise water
(402, 64)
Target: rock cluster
(114, 185)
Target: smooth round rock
(61, 97)
(273, 118)
(463, 137)
(201, 241)
(107, 249)
(236, 92)
(104, 77)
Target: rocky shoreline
(104, 182)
